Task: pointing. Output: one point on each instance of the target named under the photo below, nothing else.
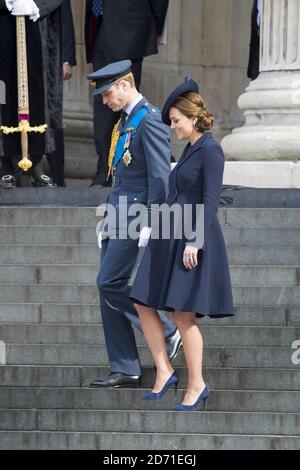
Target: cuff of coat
(198, 242)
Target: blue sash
(125, 139)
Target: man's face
(115, 97)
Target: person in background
(57, 157)
(45, 80)
(117, 30)
(253, 64)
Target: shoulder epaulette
(151, 108)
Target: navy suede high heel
(202, 397)
(174, 379)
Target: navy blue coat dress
(162, 281)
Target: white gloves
(100, 240)
(143, 239)
(23, 8)
(144, 236)
(9, 4)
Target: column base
(263, 174)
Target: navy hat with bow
(188, 85)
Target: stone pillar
(265, 152)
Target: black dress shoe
(43, 181)
(7, 182)
(173, 345)
(118, 381)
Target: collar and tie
(97, 7)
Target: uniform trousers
(118, 259)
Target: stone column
(265, 152)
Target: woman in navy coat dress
(187, 276)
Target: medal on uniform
(127, 155)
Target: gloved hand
(144, 236)
(9, 4)
(25, 8)
(100, 240)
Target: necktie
(123, 120)
(97, 7)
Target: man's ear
(123, 85)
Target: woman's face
(181, 124)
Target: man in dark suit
(140, 161)
(57, 157)
(117, 30)
(253, 64)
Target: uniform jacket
(145, 179)
(128, 29)
(197, 179)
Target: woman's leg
(155, 337)
(193, 350)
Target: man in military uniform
(140, 162)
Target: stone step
(250, 336)
(263, 255)
(216, 377)
(149, 421)
(261, 218)
(86, 235)
(261, 197)
(89, 313)
(95, 355)
(268, 276)
(87, 294)
(83, 195)
(45, 215)
(88, 254)
(27, 440)
(48, 235)
(44, 254)
(130, 399)
(260, 236)
(77, 193)
(85, 216)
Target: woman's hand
(190, 258)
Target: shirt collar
(133, 105)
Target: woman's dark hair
(192, 105)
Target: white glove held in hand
(9, 4)
(144, 236)
(25, 8)
(100, 240)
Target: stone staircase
(54, 345)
